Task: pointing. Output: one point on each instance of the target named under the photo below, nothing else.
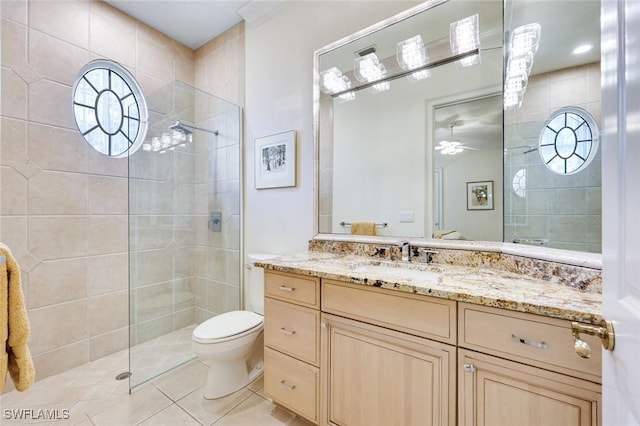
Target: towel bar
(383, 224)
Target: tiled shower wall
(63, 205)
(219, 70)
(565, 210)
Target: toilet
(232, 344)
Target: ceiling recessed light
(582, 49)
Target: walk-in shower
(182, 270)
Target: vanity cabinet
(344, 354)
(373, 372)
(292, 342)
(528, 373)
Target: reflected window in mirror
(568, 141)
(562, 210)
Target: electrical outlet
(406, 216)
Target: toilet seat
(228, 326)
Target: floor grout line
(188, 413)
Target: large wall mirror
(429, 124)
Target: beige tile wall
(219, 69)
(63, 205)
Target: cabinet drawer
(419, 315)
(293, 288)
(291, 383)
(528, 338)
(292, 329)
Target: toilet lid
(227, 325)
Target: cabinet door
(375, 376)
(496, 392)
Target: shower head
(181, 126)
(527, 148)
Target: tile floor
(90, 395)
(154, 357)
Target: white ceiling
(194, 22)
(191, 22)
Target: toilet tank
(255, 283)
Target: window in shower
(109, 108)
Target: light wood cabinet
(529, 373)
(423, 316)
(496, 392)
(291, 338)
(293, 330)
(292, 383)
(342, 354)
(376, 376)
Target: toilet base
(226, 378)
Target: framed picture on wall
(275, 160)
(480, 195)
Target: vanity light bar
(520, 63)
(464, 36)
(525, 38)
(368, 68)
(524, 45)
(333, 81)
(427, 67)
(411, 53)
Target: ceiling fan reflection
(452, 147)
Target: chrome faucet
(426, 255)
(404, 250)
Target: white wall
(379, 160)
(278, 97)
(471, 166)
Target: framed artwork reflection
(480, 195)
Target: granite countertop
(483, 286)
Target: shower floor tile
(154, 357)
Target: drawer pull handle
(285, 288)
(285, 331)
(290, 387)
(540, 345)
(469, 368)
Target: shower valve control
(215, 221)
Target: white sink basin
(422, 274)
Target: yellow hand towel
(14, 326)
(363, 228)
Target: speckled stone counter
(547, 294)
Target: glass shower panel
(184, 225)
